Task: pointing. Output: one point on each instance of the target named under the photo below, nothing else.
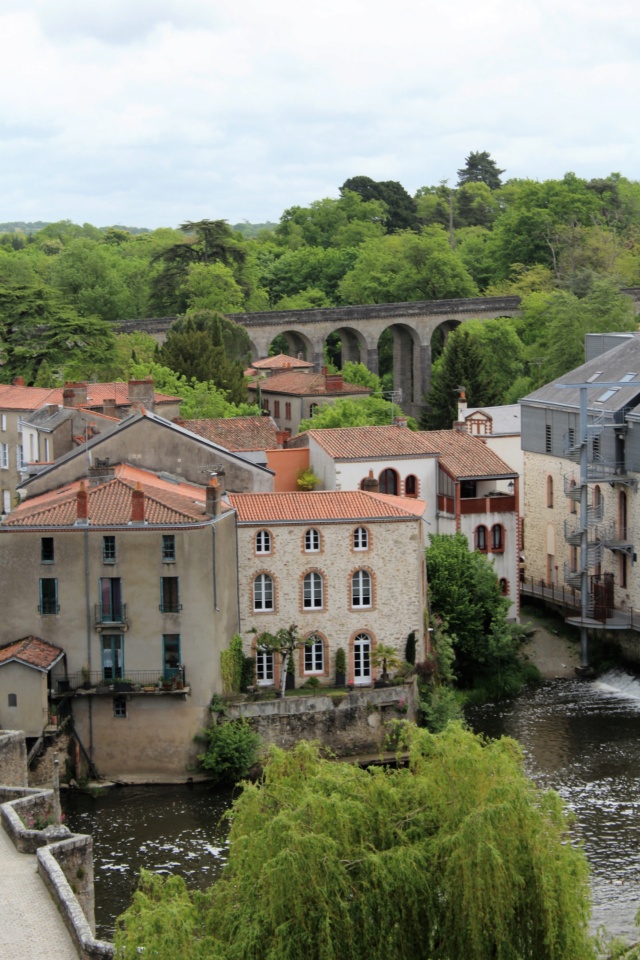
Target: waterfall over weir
(617, 683)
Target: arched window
(573, 507)
(388, 482)
(361, 589)
(312, 409)
(314, 654)
(597, 498)
(312, 541)
(362, 659)
(481, 538)
(550, 492)
(264, 667)
(312, 592)
(497, 538)
(623, 515)
(360, 538)
(411, 486)
(504, 587)
(263, 541)
(263, 592)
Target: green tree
(201, 399)
(367, 411)
(284, 643)
(196, 347)
(400, 206)
(308, 267)
(457, 855)
(460, 365)
(212, 286)
(479, 167)
(359, 374)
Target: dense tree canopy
(456, 856)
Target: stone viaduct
(412, 326)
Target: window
(4, 456)
(573, 506)
(47, 450)
(276, 408)
(623, 570)
(362, 659)
(263, 541)
(6, 501)
(265, 404)
(481, 538)
(264, 667)
(550, 492)
(468, 488)
(572, 438)
(48, 595)
(628, 377)
(360, 538)
(170, 595)
(622, 515)
(611, 392)
(504, 587)
(497, 540)
(109, 549)
(120, 707)
(361, 589)
(312, 592)
(388, 482)
(3, 422)
(314, 654)
(19, 457)
(12, 700)
(46, 550)
(594, 376)
(287, 411)
(547, 438)
(168, 548)
(111, 606)
(411, 486)
(312, 409)
(263, 592)
(112, 656)
(573, 559)
(312, 541)
(170, 654)
(597, 498)
(596, 447)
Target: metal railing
(566, 596)
(112, 614)
(95, 679)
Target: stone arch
(353, 345)
(407, 364)
(440, 335)
(297, 343)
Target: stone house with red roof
(347, 567)
(25, 669)
(291, 396)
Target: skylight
(594, 376)
(607, 395)
(627, 377)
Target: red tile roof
(31, 651)
(236, 433)
(280, 362)
(109, 502)
(14, 397)
(315, 506)
(301, 384)
(460, 454)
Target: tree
(359, 374)
(387, 657)
(367, 411)
(284, 643)
(461, 365)
(457, 855)
(195, 348)
(201, 400)
(464, 592)
(480, 168)
(400, 206)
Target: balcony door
(112, 656)
(111, 599)
(362, 659)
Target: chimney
(370, 484)
(462, 404)
(400, 421)
(142, 392)
(214, 493)
(137, 505)
(333, 382)
(74, 394)
(82, 504)
(18, 382)
(109, 407)
(100, 471)
(282, 436)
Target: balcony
(135, 682)
(492, 503)
(599, 615)
(111, 616)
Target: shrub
(231, 665)
(232, 750)
(341, 661)
(312, 682)
(248, 672)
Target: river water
(582, 738)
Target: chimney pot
(214, 494)
(282, 436)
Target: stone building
(291, 396)
(347, 567)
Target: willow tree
(456, 856)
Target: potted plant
(341, 667)
(122, 685)
(386, 657)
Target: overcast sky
(151, 112)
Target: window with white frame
(312, 541)
(313, 592)
(263, 592)
(361, 589)
(314, 654)
(4, 456)
(360, 538)
(6, 501)
(19, 457)
(264, 667)
(263, 541)
(3, 422)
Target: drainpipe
(88, 614)
(215, 577)
(237, 570)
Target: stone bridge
(412, 326)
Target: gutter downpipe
(88, 614)
(237, 568)
(215, 568)
(584, 534)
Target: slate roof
(16, 397)
(301, 384)
(165, 502)
(609, 367)
(32, 651)
(50, 416)
(505, 419)
(463, 456)
(280, 362)
(236, 433)
(318, 505)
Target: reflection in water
(583, 740)
(166, 829)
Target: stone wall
(13, 759)
(350, 723)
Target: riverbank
(550, 649)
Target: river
(580, 737)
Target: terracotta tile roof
(165, 502)
(299, 383)
(461, 454)
(315, 506)
(32, 651)
(280, 362)
(14, 397)
(236, 433)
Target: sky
(150, 113)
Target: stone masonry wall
(13, 759)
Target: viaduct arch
(360, 327)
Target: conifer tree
(461, 365)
